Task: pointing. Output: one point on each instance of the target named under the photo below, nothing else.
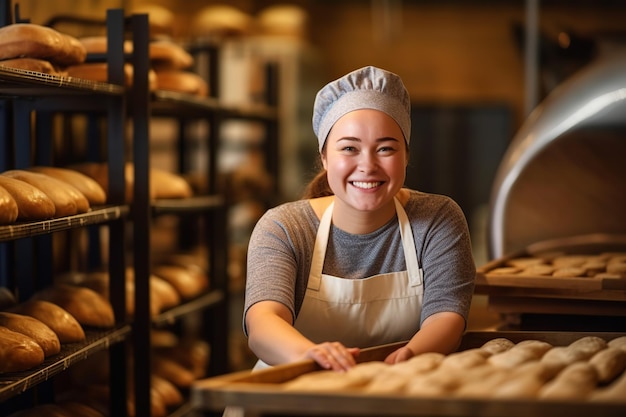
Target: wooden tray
(524, 285)
(260, 393)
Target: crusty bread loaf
(172, 371)
(8, 207)
(522, 352)
(170, 394)
(181, 82)
(169, 185)
(33, 328)
(66, 327)
(576, 382)
(187, 283)
(165, 54)
(98, 44)
(32, 64)
(618, 342)
(497, 345)
(98, 72)
(609, 363)
(87, 186)
(163, 184)
(32, 203)
(18, 352)
(67, 199)
(35, 41)
(86, 305)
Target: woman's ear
(323, 159)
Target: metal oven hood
(564, 173)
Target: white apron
(366, 312)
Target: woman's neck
(358, 222)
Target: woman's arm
(441, 332)
(274, 340)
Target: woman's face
(365, 159)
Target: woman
(369, 262)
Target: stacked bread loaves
(40, 193)
(33, 47)
(589, 368)
(169, 63)
(163, 184)
(33, 330)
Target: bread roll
(169, 185)
(165, 54)
(62, 323)
(618, 342)
(18, 352)
(394, 378)
(35, 41)
(31, 64)
(67, 199)
(588, 345)
(465, 359)
(576, 382)
(170, 394)
(613, 393)
(187, 283)
(98, 44)
(172, 371)
(87, 186)
(522, 352)
(86, 305)
(524, 382)
(609, 363)
(8, 207)
(98, 72)
(181, 82)
(32, 203)
(33, 328)
(497, 345)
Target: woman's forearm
(441, 332)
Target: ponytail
(318, 187)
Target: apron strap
(319, 250)
(321, 240)
(410, 253)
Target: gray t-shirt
(281, 248)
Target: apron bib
(366, 312)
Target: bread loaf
(67, 199)
(497, 345)
(32, 203)
(181, 82)
(618, 342)
(8, 207)
(87, 186)
(99, 72)
(18, 352)
(465, 359)
(169, 185)
(523, 382)
(394, 378)
(170, 394)
(31, 64)
(576, 382)
(165, 54)
(612, 393)
(86, 305)
(33, 328)
(172, 371)
(35, 41)
(62, 323)
(187, 283)
(522, 352)
(609, 363)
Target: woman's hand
(333, 355)
(399, 355)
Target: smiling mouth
(366, 185)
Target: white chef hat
(365, 88)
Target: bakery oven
(557, 219)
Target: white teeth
(360, 184)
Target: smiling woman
(361, 261)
